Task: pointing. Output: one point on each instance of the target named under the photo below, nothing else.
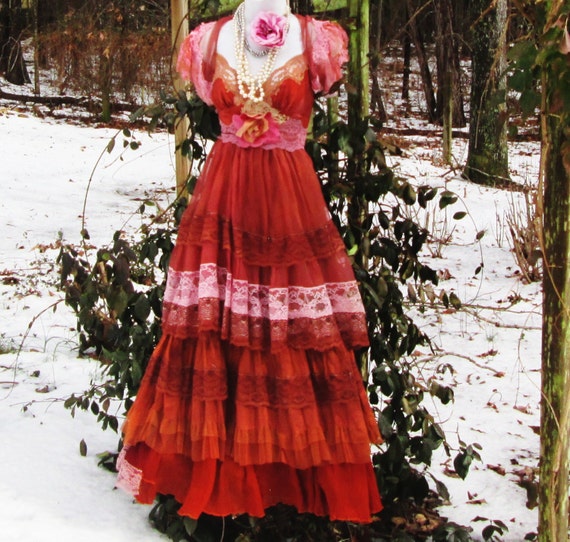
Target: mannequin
(252, 397)
(293, 44)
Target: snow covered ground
(489, 350)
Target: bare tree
(11, 58)
(487, 160)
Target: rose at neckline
(269, 29)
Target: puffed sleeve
(190, 63)
(328, 52)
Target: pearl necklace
(251, 87)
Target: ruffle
(190, 61)
(206, 400)
(259, 249)
(222, 488)
(328, 53)
(212, 420)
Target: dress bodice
(281, 119)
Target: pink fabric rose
(257, 130)
(269, 29)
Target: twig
(26, 333)
(467, 358)
(475, 314)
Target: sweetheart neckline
(278, 68)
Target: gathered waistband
(265, 133)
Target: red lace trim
(256, 249)
(256, 333)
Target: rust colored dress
(252, 396)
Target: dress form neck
(293, 45)
(254, 7)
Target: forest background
(93, 52)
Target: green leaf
(117, 300)
(409, 194)
(463, 461)
(454, 300)
(523, 53)
(83, 448)
(142, 308)
(190, 525)
(443, 393)
(447, 198)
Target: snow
(49, 491)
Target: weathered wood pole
(358, 109)
(359, 64)
(179, 29)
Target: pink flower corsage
(269, 29)
(256, 130)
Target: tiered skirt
(252, 396)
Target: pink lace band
(129, 477)
(258, 301)
(289, 135)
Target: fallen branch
(54, 101)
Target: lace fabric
(292, 136)
(328, 42)
(256, 315)
(129, 477)
(188, 288)
(190, 61)
(259, 249)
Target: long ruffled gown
(252, 396)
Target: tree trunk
(487, 160)
(407, 47)
(106, 84)
(555, 403)
(303, 7)
(448, 65)
(11, 59)
(359, 67)
(417, 40)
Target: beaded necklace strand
(251, 87)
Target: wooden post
(359, 67)
(179, 28)
(359, 109)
